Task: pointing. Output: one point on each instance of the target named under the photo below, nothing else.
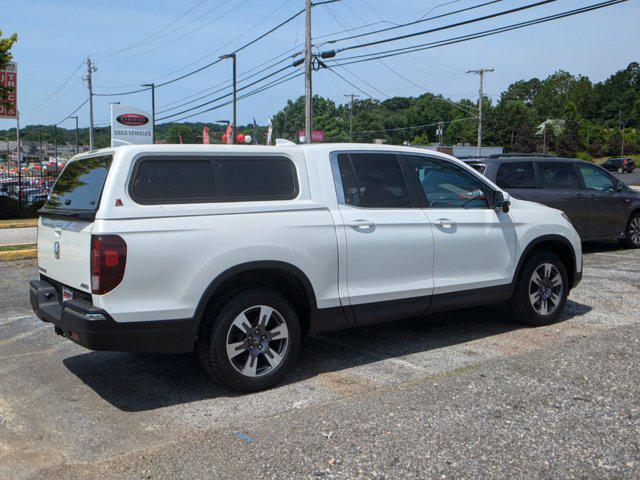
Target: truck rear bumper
(80, 321)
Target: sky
(142, 41)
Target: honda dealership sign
(130, 126)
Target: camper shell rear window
(77, 191)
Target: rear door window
(516, 175)
(558, 175)
(79, 187)
(213, 179)
(373, 180)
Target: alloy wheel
(257, 341)
(545, 289)
(634, 231)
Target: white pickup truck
(238, 252)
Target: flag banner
(206, 139)
(9, 79)
(255, 131)
(269, 131)
(229, 134)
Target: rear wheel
(252, 342)
(632, 234)
(541, 292)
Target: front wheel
(541, 292)
(632, 234)
(252, 342)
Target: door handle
(445, 223)
(580, 196)
(593, 197)
(362, 224)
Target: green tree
(6, 57)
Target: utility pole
(232, 56)
(90, 70)
(76, 119)
(40, 141)
(480, 72)
(153, 108)
(351, 98)
(19, 162)
(308, 98)
(55, 144)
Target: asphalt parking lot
(467, 394)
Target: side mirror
(621, 187)
(501, 201)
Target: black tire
(218, 326)
(521, 306)
(632, 235)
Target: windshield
(79, 186)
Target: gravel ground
(468, 394)
(9, 236)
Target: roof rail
(537, 155)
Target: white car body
(354, 259)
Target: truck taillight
(108, 260)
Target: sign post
(130, 126)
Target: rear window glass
(80, 184)
(213, 179)
(516, 175)
(558, 175)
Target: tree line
(581, 118)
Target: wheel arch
(283, 277)
(554, 243)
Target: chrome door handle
(445, 223)
(362, 224)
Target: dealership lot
(461, 394)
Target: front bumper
(80, 321)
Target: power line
(352, 84)
(148, 37)
(446, 27)
(416, 126)
(464, 38)
(251, 42)
(276, 82)
(68, 79)
(403, 25)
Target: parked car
(619, 165)
(600, 206)
(239, 251)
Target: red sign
(316, 135)
(132, 119)
(9, 78)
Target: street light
(235, 91)
(152, 86)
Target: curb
(18, 224)
(18, 255)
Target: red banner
(9, 78)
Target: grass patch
(19, 223)
(13, 248)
